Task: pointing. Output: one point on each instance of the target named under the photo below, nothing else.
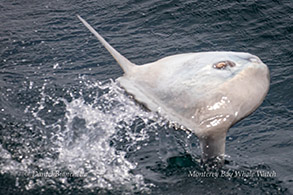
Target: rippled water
(67, 126)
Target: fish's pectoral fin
(124, 63)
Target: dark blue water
(67, 127)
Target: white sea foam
(79, 144)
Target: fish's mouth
(250, 58)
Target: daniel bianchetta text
(50, 174)
(233, 174)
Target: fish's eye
(223, 64)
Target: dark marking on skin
(224, 64)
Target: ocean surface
(66, 127)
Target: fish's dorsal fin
(124, 63)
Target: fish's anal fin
(213, 147)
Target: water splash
(79, 139)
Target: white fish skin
(205, 93)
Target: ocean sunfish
(205, 92)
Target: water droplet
(56, 65)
